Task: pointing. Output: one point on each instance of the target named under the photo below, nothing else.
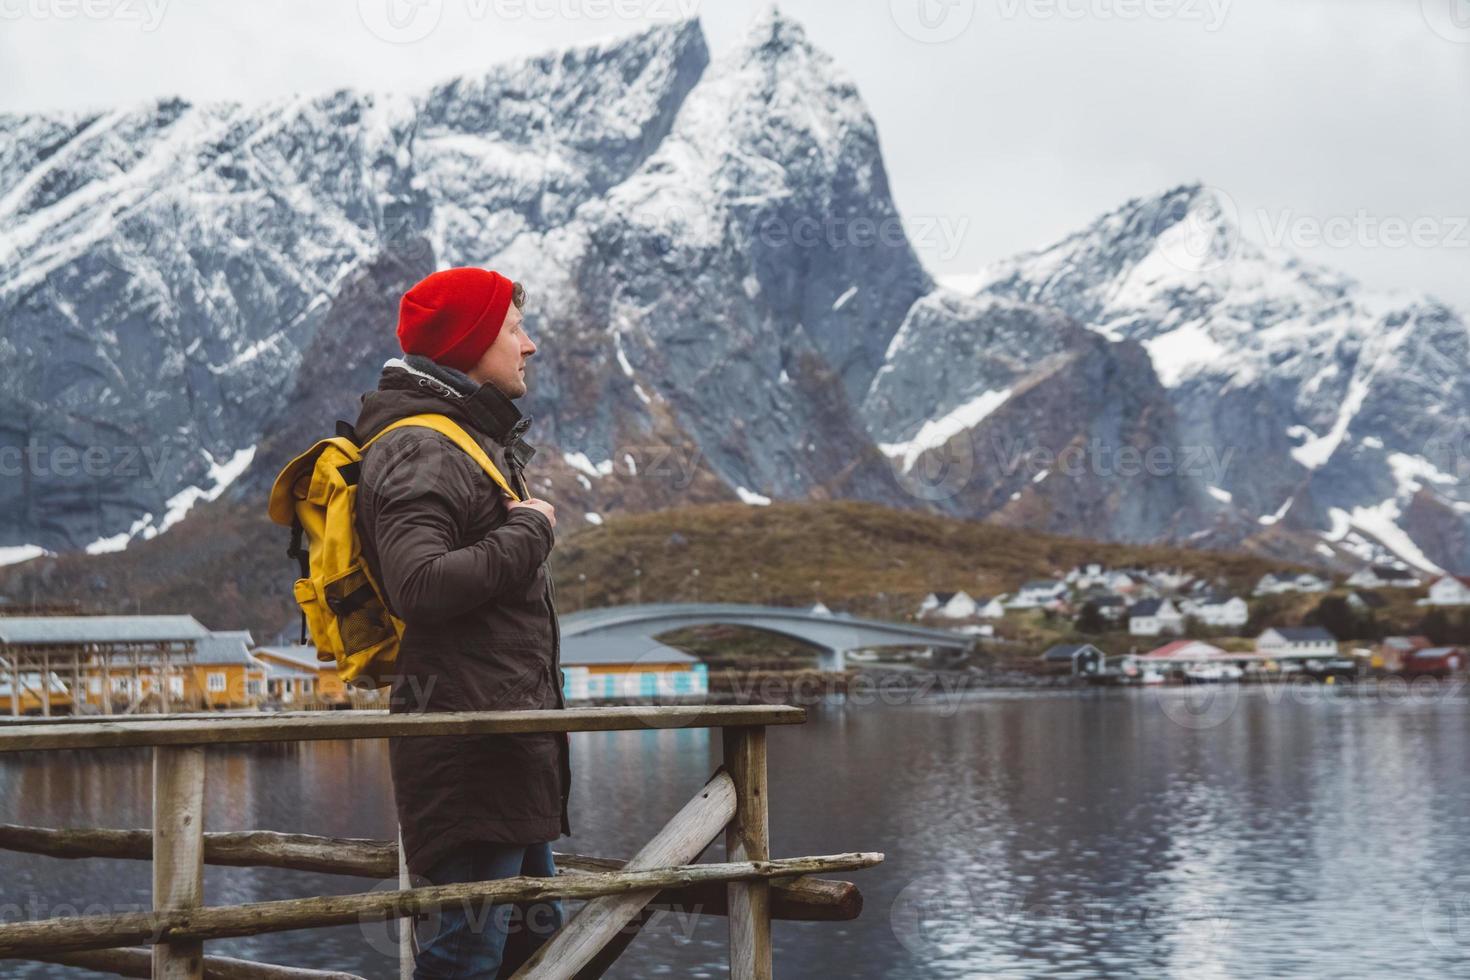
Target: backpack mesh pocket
(362, 619)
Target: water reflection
(1027, 836)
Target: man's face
(504, 362)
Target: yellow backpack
(316, 496)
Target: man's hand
(537, 505)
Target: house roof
(1066, 652)
(1304, 634)
(224, 647)
(1406, 642)
(1371, 599)
(943, 597)
(276, 672)
(1214, 600)
(611, 649)
(1146, 607)
(1176, 647)
(299, 655)
(1393, 574)
(40, 630)
(1044, 583)
(1433, 653)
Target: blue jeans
(469, 942)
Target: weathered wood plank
(178, 853)
(747, 838)
(23, 940)
(122, 733)
(679, 842)
(138, 962)
(800, 899)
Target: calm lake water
(1115, 833)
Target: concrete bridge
(627, 633)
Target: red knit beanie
(452, 317)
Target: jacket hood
(415, 385)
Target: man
(464, 567)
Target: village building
(1078, 659)
(1438, 662)
(1296, 643)
(1363, 601)
(1039, 593)
(1450, 590)
(104, 664)
(1154, 617)
(948, 605)
(1228, 612)
(1392, 652)
(223, 674)
(1383, 576)
(1109, 607)
(614, 667)
(1188, 652)
(1275, 583)
(294, 674)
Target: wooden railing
(750, 888)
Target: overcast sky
(1338, 128)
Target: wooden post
(107, 680)
(76, 683)
(46, 685)
(178, 852)
(136, 701)
(405, 926)
(680, 841)
(162, 667)
(15, 684)
(747, 838)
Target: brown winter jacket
(468, 576)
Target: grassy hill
(862, 557)
(227, 566)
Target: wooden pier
(750, 887)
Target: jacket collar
(487, 407)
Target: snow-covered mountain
(191, 293)
(1303, 404)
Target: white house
(1383, 576)
(990, 607)
(1087, 574)
(1153, 617)
(1452, 590)
(1273, 583)
(1218, 610)
(1039, 592)
(1297, 643)
(949, 605)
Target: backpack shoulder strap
(448, 428)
